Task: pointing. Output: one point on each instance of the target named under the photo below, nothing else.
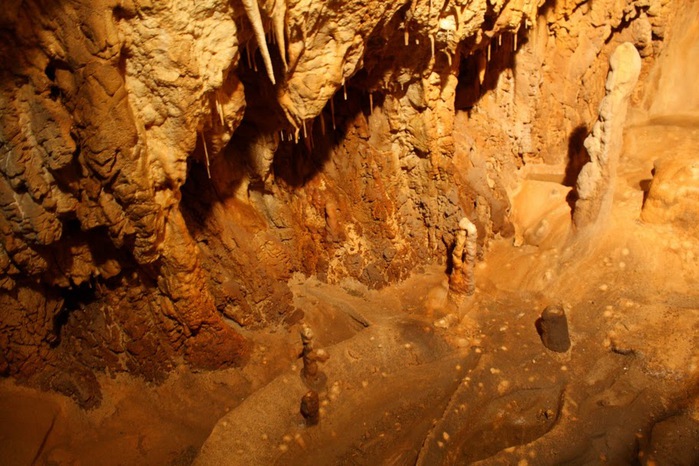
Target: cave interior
(418, 232)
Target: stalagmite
(332, 111)
(252, 10)
(462, 278)
(206, 154)
(310, 408)
(553, 329)
(310, 373)
(596, 182)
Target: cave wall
(156, 182)
(678, 59)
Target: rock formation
(673, 197)
(462, 278)
(155, 182)
(595, 184)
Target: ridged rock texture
(155, 182)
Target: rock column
(596, 182)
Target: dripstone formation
(165, 166)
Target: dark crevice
(54, 93)
(577, 159)
(74, 297)
(53, 66)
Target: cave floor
(417, 378)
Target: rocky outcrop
(93, 162)
(155, 181)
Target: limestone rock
(673, 197)
(595, 184)
(153, 179)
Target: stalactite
(514, 48)
(308, 136)
(406, 36)
(296, 136)
(500, 40)
(446, 52)
(252, 10)
(322, 123)
(278, 26)
(488, 59)
(344, 89)
(281, 135)
(219, 109)
(432, 47)
(206, 154)
(371, 103)
(247, 53)
(481, 67)
(332, 111)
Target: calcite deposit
(168, 166)
(595, 183)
